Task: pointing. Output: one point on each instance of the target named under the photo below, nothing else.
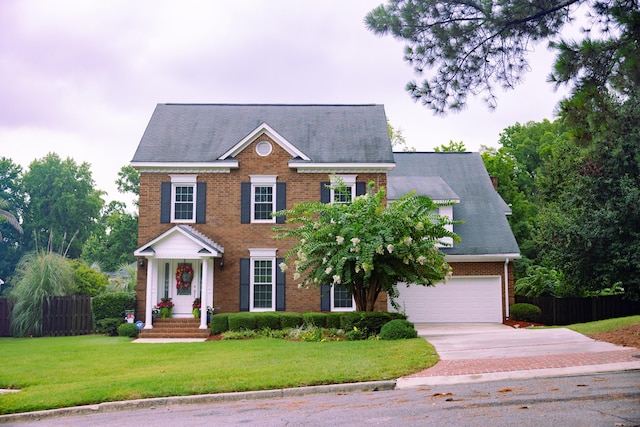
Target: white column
(203, 293)
(149, 304)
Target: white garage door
(460, 299)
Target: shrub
(290, 320)
(398, 329)
(111, 305)
(349, 320)
(267, 321)
(333, 320)
(242, 321)
(219, 323)
(128, 330)
(355, 334)
(88, 281)
(109, 326)
(315, 319)
(525, 312)
(371, 322)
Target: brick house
(210, 175)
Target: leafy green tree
(38, 275)
(62, 201)
(366, 246)
(12, 202)
(476, 46)
(114, 240)
(129, 181)
(457, 147)
(88, 281)
(397, 139)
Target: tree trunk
(366, 297)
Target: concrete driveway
(487, 351)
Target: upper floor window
(263, 189)
(183, 200)
(260, 198)
(344, 193)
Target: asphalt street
(607, 399)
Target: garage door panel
(460, 299)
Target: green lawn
(69, 371)
(604, 325)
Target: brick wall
(223, 223)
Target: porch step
(175, 328)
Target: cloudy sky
(81, 78)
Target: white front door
(180, 280)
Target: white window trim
(183, 181)
(346, 309)
(263, 181)
(262, 254)
(349, 181)
(446, 211)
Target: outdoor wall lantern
(141, 262)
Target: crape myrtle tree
(367, 245)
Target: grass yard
(604, 325)
(69, 371)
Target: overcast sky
(82, 78)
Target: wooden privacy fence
(566, 311)
(61, 316)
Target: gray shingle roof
(485, 230)
(325, 133)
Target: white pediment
(275, 136)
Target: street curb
(198, 399)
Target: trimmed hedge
(242, 322)
(219, 323)
(112, 305)
(525, 312)
(291, 320)
(268, 320)
(315, 319)
(333, 320)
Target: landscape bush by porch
(128, 330)
(109, 326)
(525, 312)
(219, 323)
(111, 305)
(242, 321)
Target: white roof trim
(275, 136)
(211, 167)
(211, 249)
(340, 167)
(481, 258)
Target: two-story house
(211, 175)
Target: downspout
(506, 287)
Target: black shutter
(361, 188)
(245, 203)
(245, 272)
(281, 200)
(165, 202)
(280, 286)
(325, 298)
(201, 203)
(325, 192)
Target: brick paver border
(485, 366)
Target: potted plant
(166, 307)
(196, 308)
